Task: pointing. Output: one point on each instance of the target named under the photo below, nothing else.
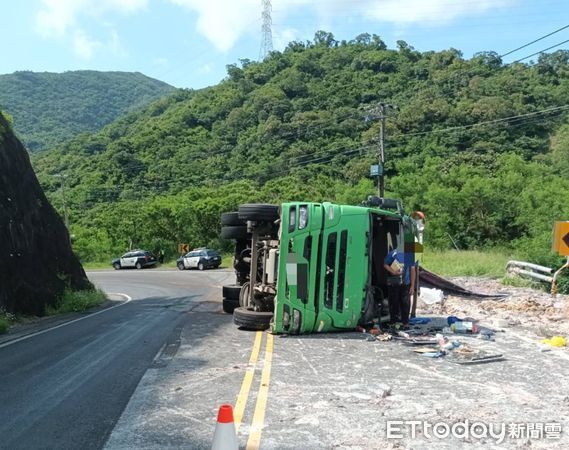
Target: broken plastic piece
(555, 341)
(431, 296)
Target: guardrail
(530, 270)
(536, 272)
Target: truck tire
(244, 295)
(251, 320)
(259, 212)
(231, 292)
(234, 232)
(229, 305)
(231, 218)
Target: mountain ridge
(49, 108)
(474, 144)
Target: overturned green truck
(316, 267)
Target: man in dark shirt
(400, 284)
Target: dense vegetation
(481, 147)
(49, 108)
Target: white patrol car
(200, 258)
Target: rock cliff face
(36, 260)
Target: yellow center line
(247, 380)
(262, 397)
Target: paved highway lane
(151, 374)
(67, 387)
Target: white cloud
(223, 22)
(205, 69)
(57, 16)
(433, 11)
(284, 37)
(62, 18)
(83, 45)
(160, 61)
(115, 45)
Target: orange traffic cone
(225, 437)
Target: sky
(188, 43)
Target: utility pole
(65, 215)
(380, 112)
(266, 30)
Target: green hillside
(481, 147)
(49, 108)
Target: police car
(199, 258)
(135, 259)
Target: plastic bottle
(463, 327)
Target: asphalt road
(66, 388)
(152, 372)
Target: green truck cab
(322, 269)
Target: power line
(534, 41)
(487, 122)
(288, 164)
(541, 51)
(325, 156)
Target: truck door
(343, 268)
(336, 308)
(295, 305)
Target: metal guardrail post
(555, 276)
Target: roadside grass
(5, 323)
(97, 265)
(516, 281)
(77, 301)
(471, 263)
(226, 261)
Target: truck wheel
(244, 294)
(229, 305)
(251, 320)
(231, 292)
(259, 212)
(231, 218)
(234, 232)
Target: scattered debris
(464, 327)
(431, 296)
(480, 360)
(500, 323)
(555, 341)
(524, 307)
(431, 337)
(384, 337)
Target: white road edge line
(37, 333)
